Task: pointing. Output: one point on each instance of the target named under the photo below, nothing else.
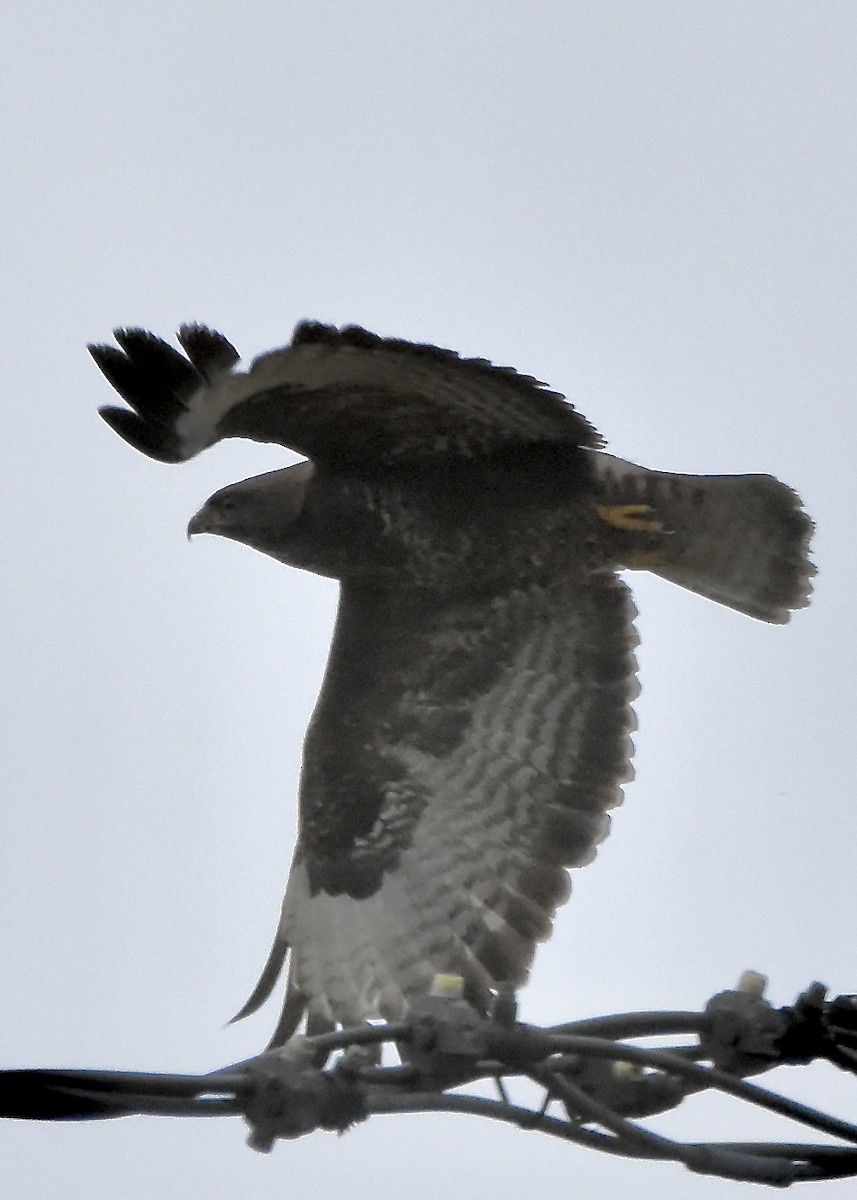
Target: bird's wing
(339, 396)
(459, 759)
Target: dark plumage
(473, 729)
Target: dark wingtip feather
(209, 351)
(159, 367)
(117, 370)
(155, 441)
(148, 374)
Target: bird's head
(260, 512)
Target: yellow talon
(629, 517)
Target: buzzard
(473, 728)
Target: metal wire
(593, 1071)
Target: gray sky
(649, 205)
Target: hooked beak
(199, 523)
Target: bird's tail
(741, 540)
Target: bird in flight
(473, 728)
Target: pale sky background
(652, 206)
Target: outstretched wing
(460, 758)
(343, 397)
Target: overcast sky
(649, 205)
